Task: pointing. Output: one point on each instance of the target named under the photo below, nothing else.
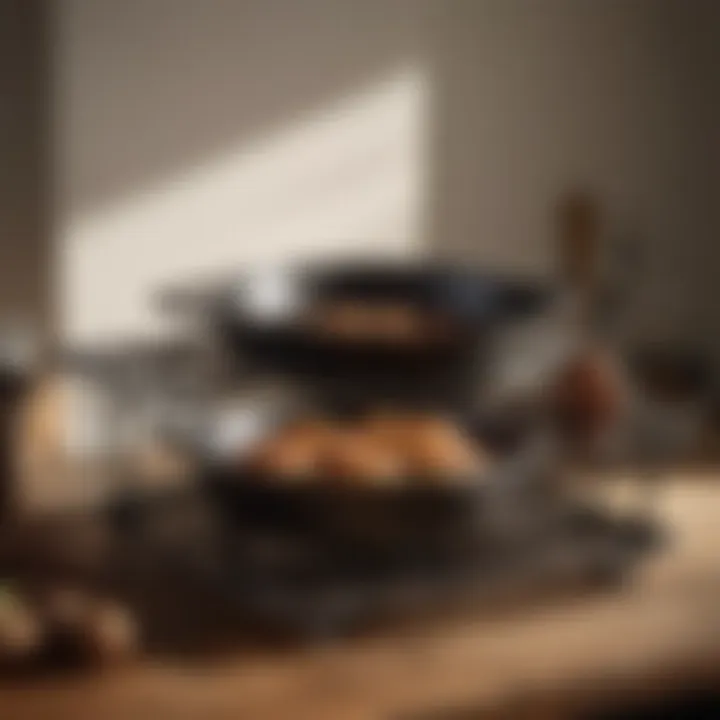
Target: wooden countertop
(663, 629)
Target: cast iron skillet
(414, 517)
(472, 303)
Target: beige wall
(197, 137)
(23, 231)
(203, 135)
(536, 96)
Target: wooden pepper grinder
(592, 398)
(579, 251)
(588, 397)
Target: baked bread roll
(382, 451)
(283, 458)
(393, 322)
(437, 448)
(355, 456)
(345, 320)
(429, 446)
(391, 429)
(398, 323)
(293, 453)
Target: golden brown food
(429, 446)
(391, 428)
(437, 448)
(404, 430)
(293, 453)
(383, 449)
(394, 322)
(344, 320)
(399, 323)
(356, 456)
(312, 431)
(453, 461)
(284, 458)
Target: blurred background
(149, 141)
(156, 145)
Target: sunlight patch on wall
(347, 179)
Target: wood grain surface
(660, 631)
